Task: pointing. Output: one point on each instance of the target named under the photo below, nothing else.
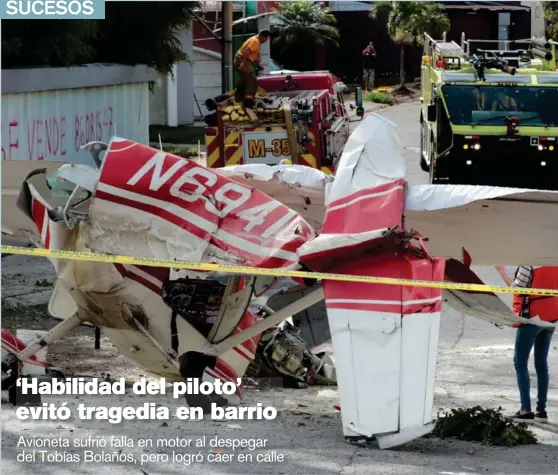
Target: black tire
(423, 165)
(431, 179)
(448, 177)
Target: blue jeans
(527, 337)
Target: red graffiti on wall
(47, 137)
(13, 141)
(92, 126)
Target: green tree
(145, 33)
(47, 42)
(550, 10)
(302, 23)
(407, 22)
(131, 33)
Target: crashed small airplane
(183, 324)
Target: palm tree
(301, 23)
(408, 22)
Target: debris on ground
(283, 354)
(487, 426)
(234, 426)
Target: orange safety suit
(245, 62)
(546, 308)
(248, 55)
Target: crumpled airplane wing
(497, 226)
(161, 206)
(16, 224)
(303, 189)
(484, 305)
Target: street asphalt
(474, 367)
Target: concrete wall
(47, 114)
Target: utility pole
(227, 46)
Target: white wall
(158, 101)
(265, 24)
(172, 101)
(185, 82)
(537, 18)
(207, 77)
(47, 114)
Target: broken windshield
(490, 105)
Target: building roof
(364, 5)
(216, 5)
(503, 6)
(349, 6)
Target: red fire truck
(302, 118)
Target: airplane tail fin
(385, 337)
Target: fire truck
(489, 116)
(299, 118)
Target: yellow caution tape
(230, 269)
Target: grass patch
(182, 152)
(186, 134)
(387, 80)
(487, 426)
(379, 97)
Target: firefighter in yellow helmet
(247, 64)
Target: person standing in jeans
(529, 336)
(369, 66)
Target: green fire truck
(490, 117)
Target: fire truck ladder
(450, 51)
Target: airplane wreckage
(364, 221)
